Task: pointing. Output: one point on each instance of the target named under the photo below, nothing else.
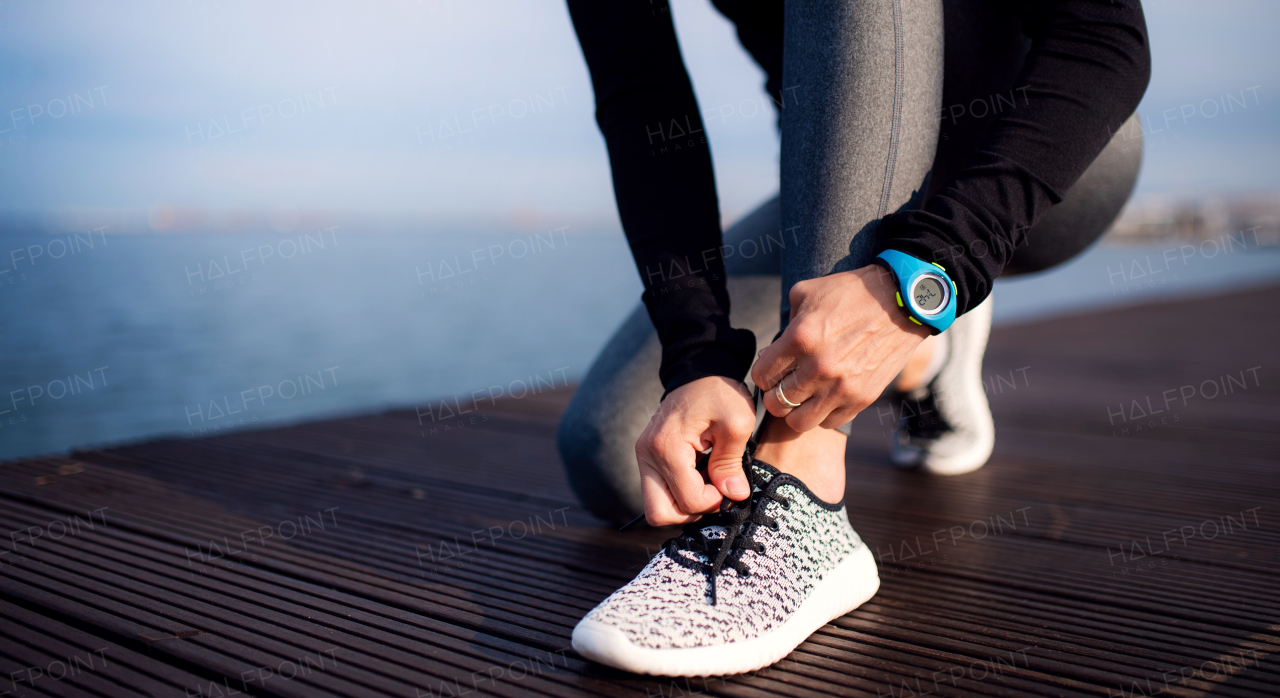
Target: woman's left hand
(846, 341)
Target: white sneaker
(946, 427)
(738, 590)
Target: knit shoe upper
(700, 591)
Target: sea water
(115, 338)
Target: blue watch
(925, 291)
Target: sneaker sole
(845, 588)
(972, 458)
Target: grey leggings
(860, 139)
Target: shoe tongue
(714, 532)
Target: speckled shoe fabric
(737, 590)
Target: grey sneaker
(946, 427)
(738, 590)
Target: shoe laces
(740, 521)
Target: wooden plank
(1042, 594)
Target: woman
(890, 222)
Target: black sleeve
(1087, 70)
(664, 185)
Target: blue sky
(459, 110)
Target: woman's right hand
(713, 412)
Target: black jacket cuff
(729, 356)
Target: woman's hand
(713, 412)
(846, 341)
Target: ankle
(816, 457)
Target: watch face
(929, 294)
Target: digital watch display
(925, 291)
(929, 294)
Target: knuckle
(827, 370)
(741, 425)
(807, 337)
(859, 397)
(726, 468)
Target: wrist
(882, 285)
(925, 292)
(708, 382)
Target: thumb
(724, 467)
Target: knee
(1087, 210)
(581, 434)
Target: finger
(775, 361)
(659, 506)
(791, 391)
(676, 463)
(814, 409)
(724, 467)
(839, 417)
(769, 399)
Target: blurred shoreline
(127, 337)
(1166, 218)
(1147, 218)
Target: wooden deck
(1103, 551)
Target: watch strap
(908, 271)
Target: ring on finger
(777, 392)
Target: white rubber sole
(965, 457)
(845, 588)
(974, 457)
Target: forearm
(664, 186)
(1085, 74)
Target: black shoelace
(740, 521)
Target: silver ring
(777, 391)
